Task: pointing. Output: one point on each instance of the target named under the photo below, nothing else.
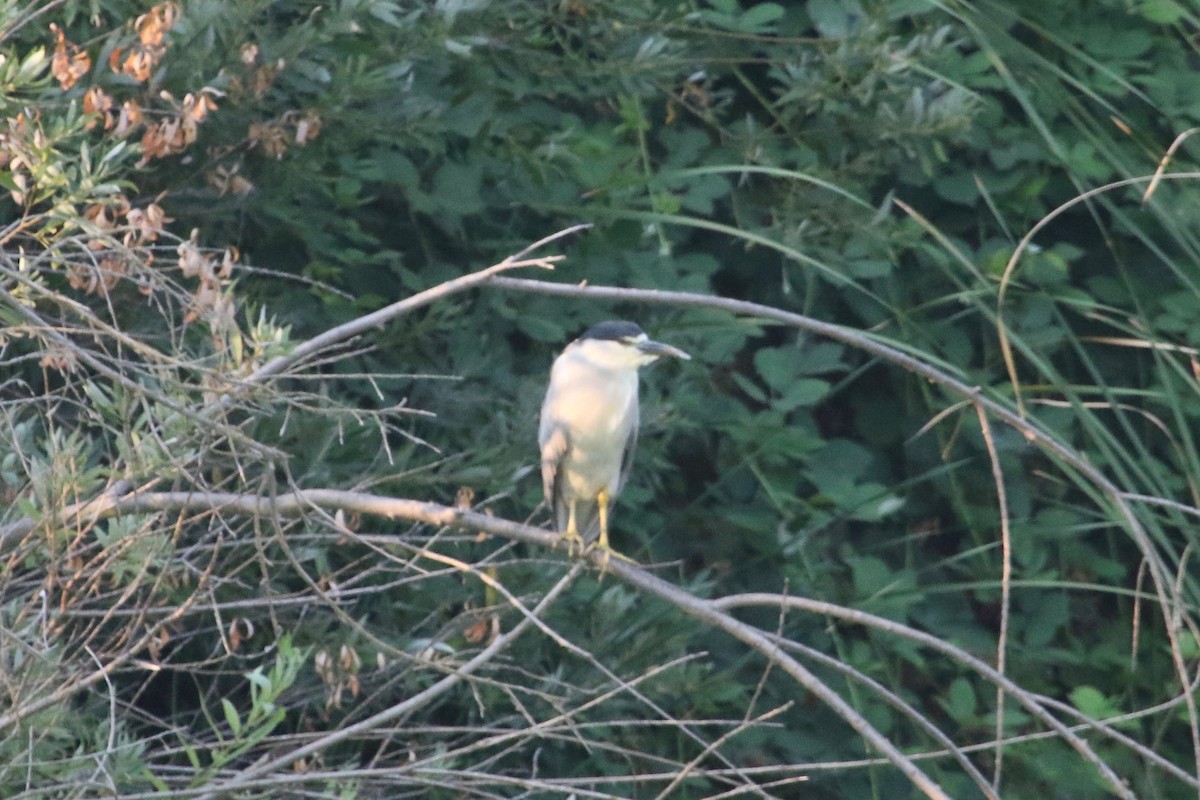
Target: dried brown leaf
(70, 63)
(97, 103)
(153, 25)
(129, 118)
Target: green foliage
(871, 164)
(62, 745)
(240, 734)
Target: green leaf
(867, 268)
(666, 203)
(1091, 701)
(748, 386)
(1189, 646)
(881, 504)
(395, 168)
(259, 679)
(961, 702)
(759, 18)
(800, 393)
(834, 18)
(1164, 12)
(776, 366)
(541, 329)
(843, 461)
(457, 188)
(231, 717)
(386, 12)
(468, 116)
(820, 357)
(1053, 612)
(193, 756)
(312, 70)
(33, 65)
(871, 574)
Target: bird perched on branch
(589, 427)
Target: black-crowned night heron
(589, 427)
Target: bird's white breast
(596, 404)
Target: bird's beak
(658, 350)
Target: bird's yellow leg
(602, 543)
(571, 534)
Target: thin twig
(284, 762)
(1032, 429)
(1022, 696)
(433, 513)
(1005, 587)
(956, 752)
(378, 318)
(1011, 267)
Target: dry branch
(1164, 586)
(376, 319)
(711, 612)
(716, 613)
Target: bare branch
(433, 513)
(1030, 428)
(377, 319)
(284, 762)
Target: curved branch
(284, 762)
(1030, 428)
(377, 318)
(1010, 267)
(708, 611)
(1001, 680)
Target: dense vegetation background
(193, 189)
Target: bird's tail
(587, 519)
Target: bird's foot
(575, 544)
(606, 554)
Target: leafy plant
(964, 403)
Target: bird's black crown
(613, 330)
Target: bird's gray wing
(554, 449)
(627, 455)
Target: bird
(589, 428)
